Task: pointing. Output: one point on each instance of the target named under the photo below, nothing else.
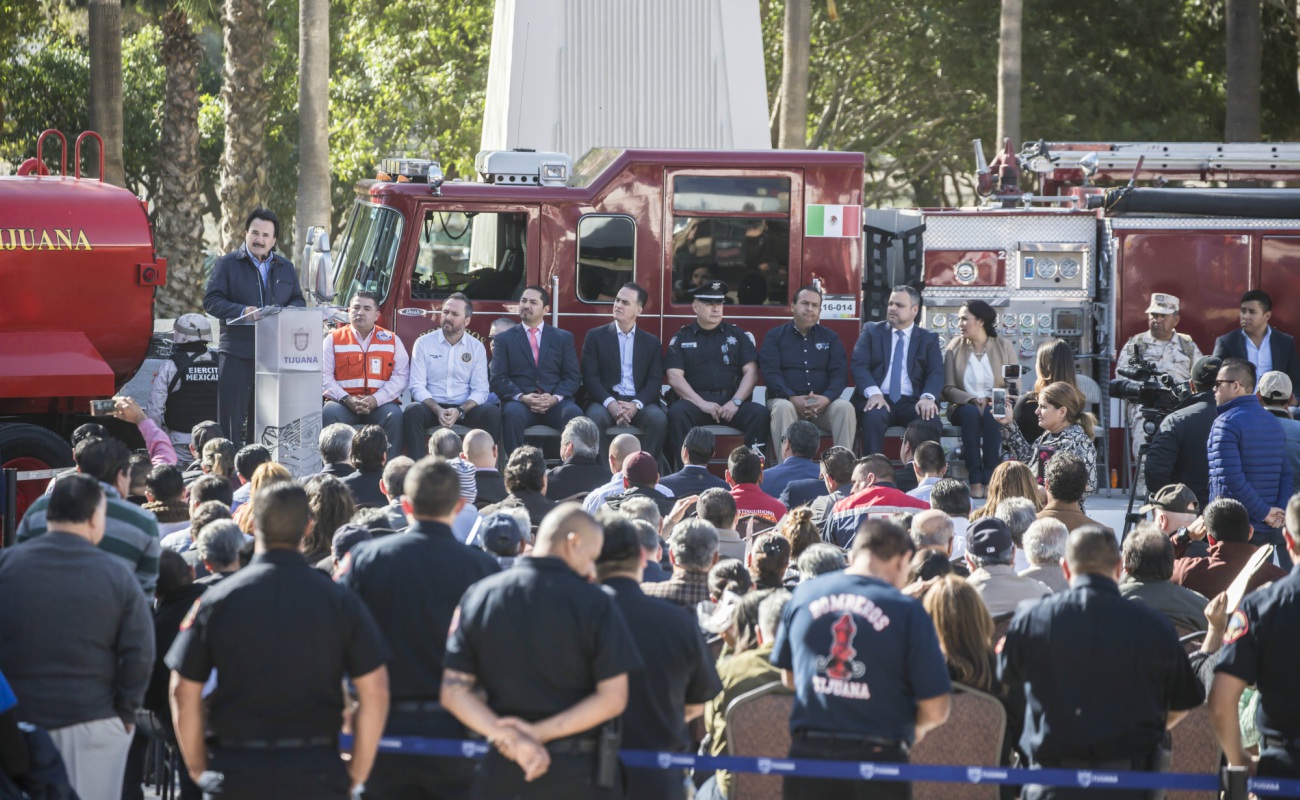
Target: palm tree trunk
(179, 232)
(1009, 73)
(793, 132)
(313, 119)
(244, 183)
(1244, 46)
(106, 86)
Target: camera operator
(1177, 453)
(1171, 353)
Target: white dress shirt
(1262, 356)
(449, 374)
(389, 392)
(626, 385)
(905, 380)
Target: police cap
(714, 291)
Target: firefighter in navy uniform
(865, 664)
(551, 653)
(184, 390)
(712, 366)
(1086, 712)
(1261, 648)
(412, 584)
(281, 638)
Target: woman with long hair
(1010, 479)
(965, 631)
(972, 369)
(1067, 428)
(265, 475)
(331, 505)
(1054, 364)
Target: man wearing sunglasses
(1247, 453)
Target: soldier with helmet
(712, 365)
(184, 390)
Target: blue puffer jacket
(1248, 458)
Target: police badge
(466, 357)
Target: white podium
(288, 364)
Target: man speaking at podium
(364, 370)
(242, 282)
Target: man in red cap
(640, 474)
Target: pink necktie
(533, 333)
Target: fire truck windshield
(368, 252)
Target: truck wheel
(27, 448)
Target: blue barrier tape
(858, 770)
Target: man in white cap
(1171, 352)
(1275, 394)
(184, 391)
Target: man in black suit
(623, 372)
(534, 371)
(582, 469)
(1259, 343)
(479, 450)
(898, 368)
(694, 476)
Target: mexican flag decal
(836, 221)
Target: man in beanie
(678, 676)
(184, 389)
(991, 552)
(640, 474)
(467, 517)
(1177, 453)
(1275, 393)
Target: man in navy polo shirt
(865, 664)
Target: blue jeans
(981, 440)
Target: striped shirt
(130, 533)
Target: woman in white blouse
(972, 369)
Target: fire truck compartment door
(52, 364)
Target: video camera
(1155, 392)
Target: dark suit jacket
(803, 492)
(491, 488)
(365, 488)
(574, 476)
(692, 479)
(875, 346)
(602, 364)
(514, 372)
(1285, 358)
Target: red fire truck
(1075, 261)
(78, 265)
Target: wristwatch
(1181, 536)
(737, 401)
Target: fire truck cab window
(606, 253)
(478, 253)
(736, 229)
(368, 252)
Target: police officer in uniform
(184, 390)
(281, 638)
(713, 367)
(679, 676)
(865, 664)
(1173, 353)
(412, 584)
(1261, 648)
(1085, 712)
(552, 653)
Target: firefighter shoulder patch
(190, 615)
(1237, 627)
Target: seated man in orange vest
(364, 370)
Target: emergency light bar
(414, 170)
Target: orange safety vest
(363, 372)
